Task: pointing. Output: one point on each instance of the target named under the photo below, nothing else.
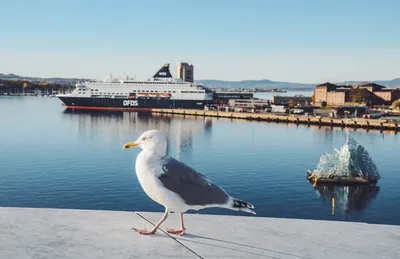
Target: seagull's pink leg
(150, 232)
(181, 231)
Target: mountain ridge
(246, 84)
(269, 84)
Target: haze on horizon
(277, 40)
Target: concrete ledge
(59, 233)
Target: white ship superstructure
(173, 88)
(161, 91)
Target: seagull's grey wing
(193, 187)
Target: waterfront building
(185, 72)
(248, 103)
(370, 93)
(298, 100)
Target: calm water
(51, 157)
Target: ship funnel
(163, 72)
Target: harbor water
(52, 157)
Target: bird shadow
(191, 238)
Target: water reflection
(350, 199)
(179, 130)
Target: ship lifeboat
(142, 94)
(153, 94)
(132, 96)
(165, 95)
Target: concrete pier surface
(64, 233)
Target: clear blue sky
(298, 40)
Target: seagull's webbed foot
(145, 231)
(179, 232)
(151, 232)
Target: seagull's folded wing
(193, 187)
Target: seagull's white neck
(151, 155)
(154, 149)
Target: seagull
(175, 185)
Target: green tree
(323, 104)
(396, 105)
(292, 104)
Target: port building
(370, 93)
(185, 72)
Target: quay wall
(375, 124)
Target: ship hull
(129, 104)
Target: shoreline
(368, 124)
(359, 123)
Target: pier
(368, 124)
(65, 233)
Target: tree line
(20, 86)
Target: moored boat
(161, 91)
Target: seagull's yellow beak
(130, 144)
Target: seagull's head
(152, 141)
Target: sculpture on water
(350, 164)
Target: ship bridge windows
(192, 92)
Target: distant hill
(247, 84)
(265, 84)
(54, 80)
(268, 84)
(395, 83)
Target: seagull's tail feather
(236, 204)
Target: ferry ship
(160, 91)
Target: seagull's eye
(144, 138)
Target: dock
(374, 124)
(315, 179)
(93, 234)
